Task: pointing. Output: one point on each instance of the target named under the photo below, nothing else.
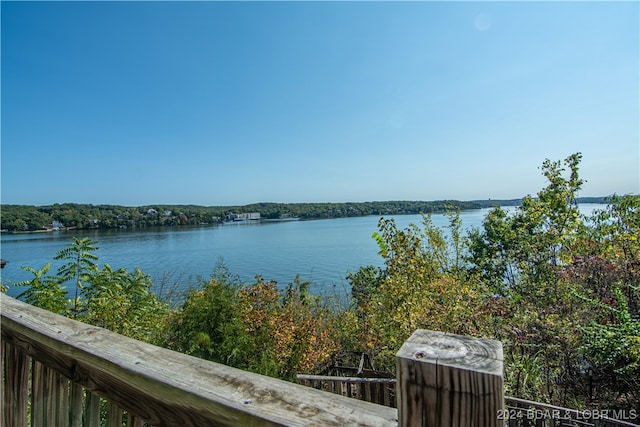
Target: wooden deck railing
(517, 412)
(376, 390)
(59, 372)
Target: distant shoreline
(19, 219)
(487, 202)
(48, 230)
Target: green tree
(612, 351)
(424, 284)
(116, 299)
(521, 257)
(80, 265)
(256, 327)
(43, 290)
(364, 283)
(518, 255)
(122, 301)
(205, 323)
(606, 275)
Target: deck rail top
(165, 387)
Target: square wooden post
(449, 380)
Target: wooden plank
(449, 380)
(15, 391)
(114, 415)
(76, 406)
(302, 377)
(38, 403)
(50, 397)
(168, 388)
(379, 393)
(62, 413)
(133, 421)
(92, 412)
(389, 396)
(375, 390)
(367, 392)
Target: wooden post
(449, 380)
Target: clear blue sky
(223, 103)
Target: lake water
(321, 251)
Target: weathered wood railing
(56, 371)
(517, 412)
(443, 380)
(376, 390)
(59, 372)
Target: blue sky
(224, 103)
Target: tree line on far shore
(27, 218)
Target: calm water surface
(321, 251)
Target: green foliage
(567, 288)
(80, 264)
(518, 253)
(520, 257)
(44, 291)
(608, 277)
(524, 374)
(364, 283)
(205, 320)
(255, 327)
(612, 351)
(20, 218)
(118, 300)
(23, 218)
(121, 301)
(423, 285)
(615, 345)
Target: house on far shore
(56, 225)
(248, 216)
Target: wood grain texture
(92, 411)
(376, 390)
(15, 365)
(167, 388)
(76, 405)
(449, 380)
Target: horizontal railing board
(346, 379)
(381, 391)
(167, 388)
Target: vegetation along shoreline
(72, 216)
